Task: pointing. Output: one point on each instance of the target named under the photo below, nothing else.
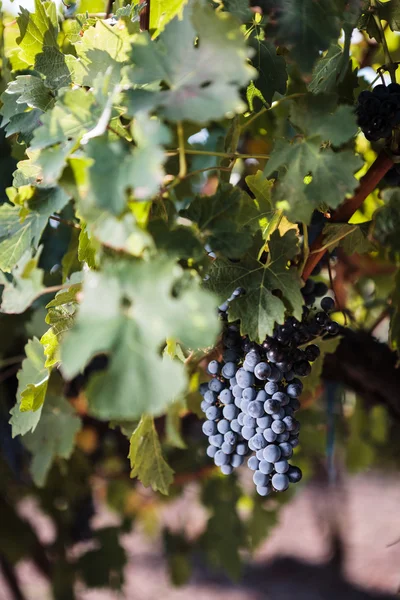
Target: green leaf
(60, 317)
(18, 233)
(306, 27)
(239, 9)
(53, 437)
(311, 174)
(100, 48)
(37, 30)
(225, 533)
(137, 314)
(226, 220)
(32, 384)
(272, 74)
(28, 91)
(24, 285)
(163, 11)
(326, 346)
(86, 248)
(329, 71)
(139, 169)
(390, 12)
(203, 80)
(387, 222)
(53, 65)
(351, 237)
(145, 455)
(122, 234)
(272, 289)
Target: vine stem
(64, 221)
(391, 68)
(232, 155)
(182, 155)
(367, 185)
(267, 108)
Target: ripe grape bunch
(253, 395)
(378, 111)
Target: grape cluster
(378, 111)
(253, 395)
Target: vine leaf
(353, 238)
(147, 461)
(53, 437)
(60, 317)
(226, 220)
(271, 67)
(21, 229)
(32, 385)
(272, 288)
(37, 30)
(24, 285)
(329, 71)
(309, 172)
(162, 12)
(135, 319)
(98, 50)
(203, 80)
(306, 27)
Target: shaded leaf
(24, 285)
(145, 455)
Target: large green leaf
(54, 437)
(32, 385)
(147, 461)
(329, 71)
(272, 288)
(163, 11)
(24, 285)
(137, 314)
(18, 233)
(310, 173)
(203, 80)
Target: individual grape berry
(216, 440)
(312, 352)
(204, 405)
(248, 432)
(253, 463)
(227, 448)
(209, 428)
(272, 453)
(252, 358)
(278, 427)
(282, 398)
(203, 388)
(264, 422)
(234, 425)
(280, 482)
(244, 378)
(258, 441)
(286, 450)
(210, 397)
(282, 466)
(213, 413)
(266, 467)
(230, 437)
(294, 474)
(249, 421)
(221, 458)
(333, 328)
(327, 304)
(302, 368)
(229, 369)
(226, 469)
(294, 390)
(260, 479)
(282, 437)
(249, 394)
(290, 423)
(215, 385)
(270, 436)
(213, 367)
(211, 451)
(230, 412)
(226, 396)
(264, 490)
(271, 406)
(262, 371)
(255, 409)
(271, 388)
